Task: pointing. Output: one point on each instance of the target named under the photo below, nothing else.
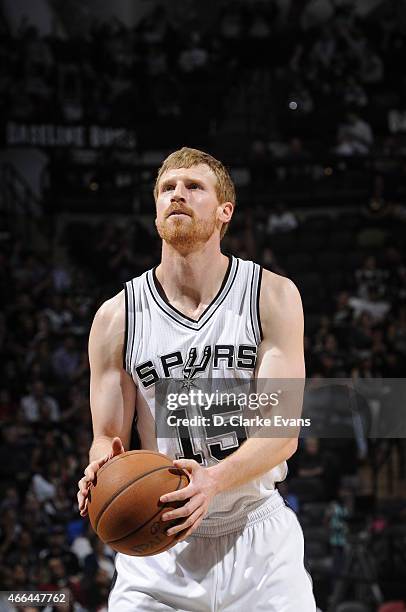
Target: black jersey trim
(162, 294)
(255, 289)
(206, 315)
(254, 331)
(125, 345)
(163, 309)
(133, 330)
(261, 334)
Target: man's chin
(180, 240)
(184, 236)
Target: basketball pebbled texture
(124, 507)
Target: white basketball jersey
(162, 343)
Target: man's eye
(167, 187)
(194, 186)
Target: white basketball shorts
(255, 567)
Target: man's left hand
(199, 493)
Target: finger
(83, 484)
(82, 494)
(186, 464)
(185, 510)
(81, 500)
(189, 522)
(90, 473)
(83, 512)
(180, 495)
(191, 529)
(94, 466)
(81, 497)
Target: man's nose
(179, 192)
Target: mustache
(178, 208)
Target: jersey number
(220, 440)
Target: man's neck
(191, 281)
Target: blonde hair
(187, 158)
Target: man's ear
(227, 212)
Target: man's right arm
(112, 391)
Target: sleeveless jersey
(161, 342)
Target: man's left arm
(280, 356)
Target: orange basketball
(124, 507)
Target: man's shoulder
(278, 286)
(279, 297)
(111, 314)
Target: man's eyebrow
(165, 182)
(186, 179)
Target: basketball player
(241, 547)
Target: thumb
(116, 447)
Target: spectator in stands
(57, 547)
(9, 532)
(291, 498)
(324, 48)
(59, 316)
(337, 513)
(194, 58)
(373, 304)
(343, 312)
(370, 276)
(100, 557)
(58, 574)
(66, 360)
(324, 329)
(372, 68)
(357, 134)
(31, 403)
(33, 517)
(231, 23)
(259, 161)
(24, 550)
(331, 354)
(10, 500)
(15, 458)
(43, 485)
(7, 405)
(346, 146)
(61, 274)
(396, 337)
(40, 356)
(281, 220)
(311, 463)
(96, 589)
(354, 94)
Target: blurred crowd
(318, 79)
(326, 74)
(355, 327)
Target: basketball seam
(128, 484)
(130, 533)
(133, 452)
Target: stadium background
(305, 102)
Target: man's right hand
(90, 474)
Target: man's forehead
(200, 171)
